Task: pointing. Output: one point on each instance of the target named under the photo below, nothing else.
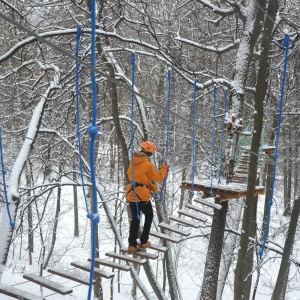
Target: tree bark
(261, 87)
(214, 251)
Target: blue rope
(193, 135)
(168, 133)
(213, 141)
(93, 132)
(79, 30)
(286, 45)
(132, 132)
(223, 133)
(11, 222)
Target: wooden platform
(225, 191)
(49, 284)
(17, 293)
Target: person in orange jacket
(145, 174)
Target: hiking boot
(132, 249)
(146, 245)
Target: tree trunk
(287, 251)
(214, 251)
(261, 87)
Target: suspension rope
(79, 30)
(168, 134)
(93, 132)
(223, 133)
(286, 45)
(193, 135)
(11, 222)
(213, 141)
(132, 132)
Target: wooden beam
(17, 293)
(49, 284)
(87, 267)
(126, 258)
(111, 264)
(173, 229)
(184, 221)
(165, 237)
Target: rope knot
(95, 218)
(93, 131)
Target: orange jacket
(144, 173)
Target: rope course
(93, 132)
(286, 46)
(193, 135)
(167, 135)
(102, 74)
(213, 141)
(223, 133)
(11, 222)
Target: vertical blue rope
(168, 134)
(213, 141)
(11, 222)
(223, 133)
(132, 132)
(93, 132)
(79, 30)
(286, 45)
(193, 135)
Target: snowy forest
(214, 84)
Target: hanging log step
(190, 215)
(49, 284)
(17, 293)
(200, 210)
(156, 247)
(173, 229)
(184, 221)
(87, 267)
(165, 237)
(111, 264)
(69, 275)
(142, 254)
(126, 258)
(208, 202)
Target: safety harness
(135, 184)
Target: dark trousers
(146, 208)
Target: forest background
(234, 46)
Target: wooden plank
(49, 284)
(165, 237)
(190, 215)
(156, 247)
(126, 258)
(225, 191)
(17, 293)
(208, 203)
(184, 221)
(112, 264)
(173, 229)
(87, 267)
(200, 210)
(70, 275)
(142, 254)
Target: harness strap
(136, 184)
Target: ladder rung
(185, 222)
(174, 229)
(207, 202)
(126, 258)
(193, 216)
(69, 275)
(200, 210)
(165, 237)
(142, 254)
(87, 267)
(112, 264)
